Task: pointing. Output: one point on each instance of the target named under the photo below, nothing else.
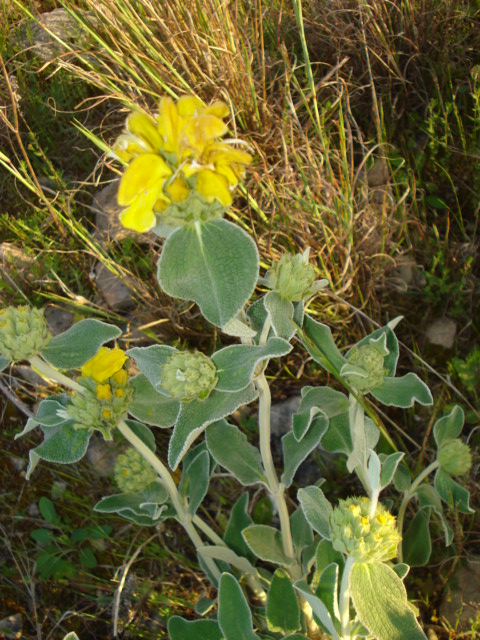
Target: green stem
(276, 489)
(183, 517)
(407, 496)
(51, 373)
(356, 418)
(344, 599)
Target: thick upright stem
(53, 374)
(183, 517)
(276, 489)
(344, 599)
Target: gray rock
(460, 603)
(102, 456)
(442, 332)
(11, 626)
(45, 37)
(58, 319)
(112, 289)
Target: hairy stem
(276, 489)
(183, 517)
(407, 496)
(344, 599)
(51, 373)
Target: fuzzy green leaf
(72, 348)
(451, 492)
(302, 534)
(283, 612)
(234, 615)
(381, 602)
(150, 360)
(231, 449)
(318, 608)
(266, 543)
(321, 345)
(416, 543)
(327, 589)
(280, 312)
(180, 629)
(315, 400)
(63, 445)
(389, 467)
(194, 417)
(144, 433)
(294, 452)
(150, 406)
(236, 364)
(195, 481)
(4, 363)
(428, 497)
(317, 510)
(238, 521)
(403, 392)
(215, 264)
(449, 427)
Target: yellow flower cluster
(106, 395)
(174, 155)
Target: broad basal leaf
(215, 264)
(62, 444)
(416, 543)
(451, 492)
(72, 348)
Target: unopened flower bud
(357, 535)
(454, 457)
(293, 277)
(23, 332)
(189, 375)
(132, 472)
(364, 369)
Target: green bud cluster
(101, 406)
(193, 209)
(365, 370)
(132, 472)
(23, 332)
(357, 535)
(454, 457)
(189, 375)
(293, 277)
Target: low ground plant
(323, 567)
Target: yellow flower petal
(128, 146)
(213, 186)
(218, 109)
(143, 172)
(140, 215)
(169, 124)
(189, 106)
(178, 190)
(146, 128)
(104, 364)
(104, 391)
(200, 130)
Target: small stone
(101, 456)
(58, 319)
(442, 332)
(11, 626)
(45, 37)
(281, 415)
(114, 291)
(18, 463)
(460, 604)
